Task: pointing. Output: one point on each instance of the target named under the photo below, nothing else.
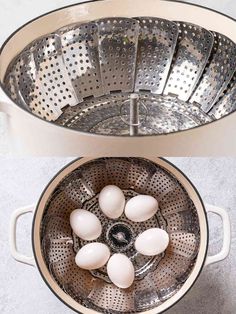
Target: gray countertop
(22, 291)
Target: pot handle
(226, 234)
(5, 112)
(4, 103)
(13, 245)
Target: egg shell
(152, 242)
(120, 270)
(112, 201)
(92, 256)
(141, 208)
(85, 224)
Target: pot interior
(157, 279)
(82, 76)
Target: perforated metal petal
(61, 205)
(156, 278)
(185, 221)
(146, 293)
(227, 103)
(159, 185)
(193, 49)
(139, 175)
(174, 201)
(75, 281)
(57, 228)
(27, 88)
(58, 250)
(118, 38)
(184, 244)
(80, 54)
(51, 78)
(18, 80)
(11, 86)
(95, 175)
(117, 172)
(218, 72)
(156, 46)
(169, 274)
(111, 298)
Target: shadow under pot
(105, 74)
(160, 281)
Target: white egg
(112, 201)
(152, 242)
(141, 208)
(120, 270)
(92, 256)
(85, 224)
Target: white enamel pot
(202, 259)
(30, 134)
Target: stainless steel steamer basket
(160, 281)
(110, 77)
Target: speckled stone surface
(14, 13)
(22, 291)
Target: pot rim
(115, 137)
(35, 235)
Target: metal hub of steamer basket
(120, 236)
